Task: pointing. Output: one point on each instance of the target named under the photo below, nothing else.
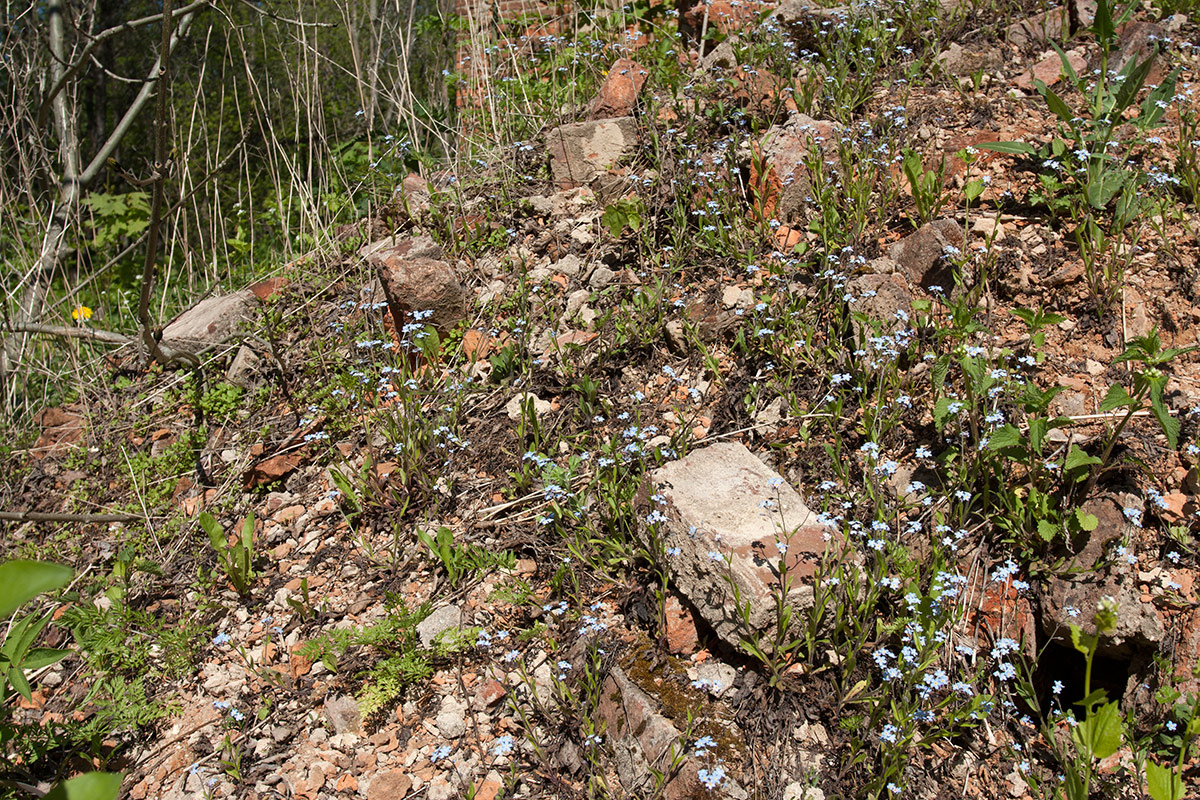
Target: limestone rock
(641, 738)
(1050, 70)
(725, 515)
(344, 715)
(958, 61)
(1072, 601)
(442, 619)
(1049, 25)
(392, 785)
(513, 408)
(451, 720)
(211, 321)
(583, 151)
(422, 246)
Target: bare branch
(108, 337)
(45, 516)
(297, 22)
(93, 168)
(83, 58)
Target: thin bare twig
(54, 516)
(83, 58)
(108, 337)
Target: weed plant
(932, 450)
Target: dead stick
(47, 516)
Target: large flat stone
(643, 740)
(211, 321)
(583, 151)
(727, 514)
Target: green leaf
(1083, 642)
(344, 486)
(1095, 698)
(1086, 521)
(972, 190)
(1056, 104)
(1107, 727)
(1037, 432)
(941, 368)
(21, 581)
(248, 532)
(89, 786)
(1102, 26)
(1027, 315)
(1101, 192)
(216, 536)
(1074, 782)
(614, 220)
(1078, 458)
(1152, 112)
(1163, 783)
(1066, 64)
(1132, 85)
(1004, 437)
(1169, 425)
(941, 412)
(1012, 148)
(1047, 530)
(22, 636)
(16, 679)
(40, 657)
(1116, 398)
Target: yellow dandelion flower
(81, 313)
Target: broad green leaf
(1086, 521)
(216, 536)
(344, 486)
(1027, 315)
(1013, 148)
(1169, 425)
(22, 636)
(1132, 85)
(1004, 437)
(1100, 192)
(16, 679)
(941, 368)
(1037, 432)
(21, 581)
(248, 532)
(1154, 106)
(40, 657)
(1083, 642)
(973, 189)
(1106, 731)
(1095, 698)
(1047, 530)
(614, 220)
(1170, 353)
(1163, 783)
(1078, 458)
(941, 412)
(1116, 398)
(1056, 103)
(89, 786)
(1074, 782)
